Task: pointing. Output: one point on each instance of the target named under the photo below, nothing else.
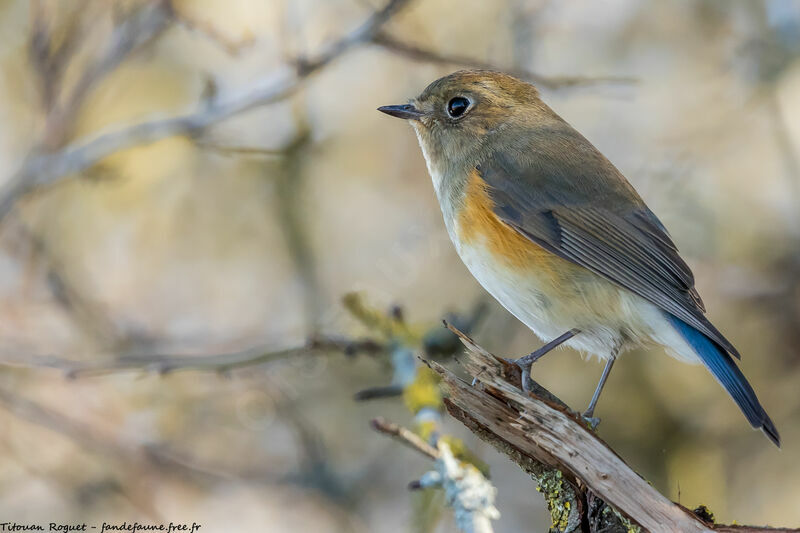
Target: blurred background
(159, 284)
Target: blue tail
(723, 367)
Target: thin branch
(222, 363)
(137, 29)
(406, 436)
(90, 317)
(417, 53)
(43, 170)
(288, 203)
(51, 59)
(165, 364)
(231, 150)
(379, 392)
(207, 29)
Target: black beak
(407, 111)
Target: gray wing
(601, 225)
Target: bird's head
(461, 117)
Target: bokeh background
(242, 237)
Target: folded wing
(600, 224)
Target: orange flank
(477, 223)
(569, 295)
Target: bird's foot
(525, 364)
(591, 421)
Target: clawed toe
(524, 364)
(591, 421)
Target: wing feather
(611, 233)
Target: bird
(558, 236)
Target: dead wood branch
(553, 444)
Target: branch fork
(466, 489)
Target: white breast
(634, 322)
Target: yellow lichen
(463, 454)
(424, 391)
(373, 319)
(551, 485)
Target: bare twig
(231, 150)
(289, 204)
(379, 392)
(164, 364)
(418, 53)
(406, 436)
(536, 429)
(136, 29)
(43, 170)
(207, 29)
(49, 59)
(89, 316)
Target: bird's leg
(524, 363)
(588, 415)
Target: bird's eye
(457, 106)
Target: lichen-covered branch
(587, 486)
(466, 489)
(560, 495)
